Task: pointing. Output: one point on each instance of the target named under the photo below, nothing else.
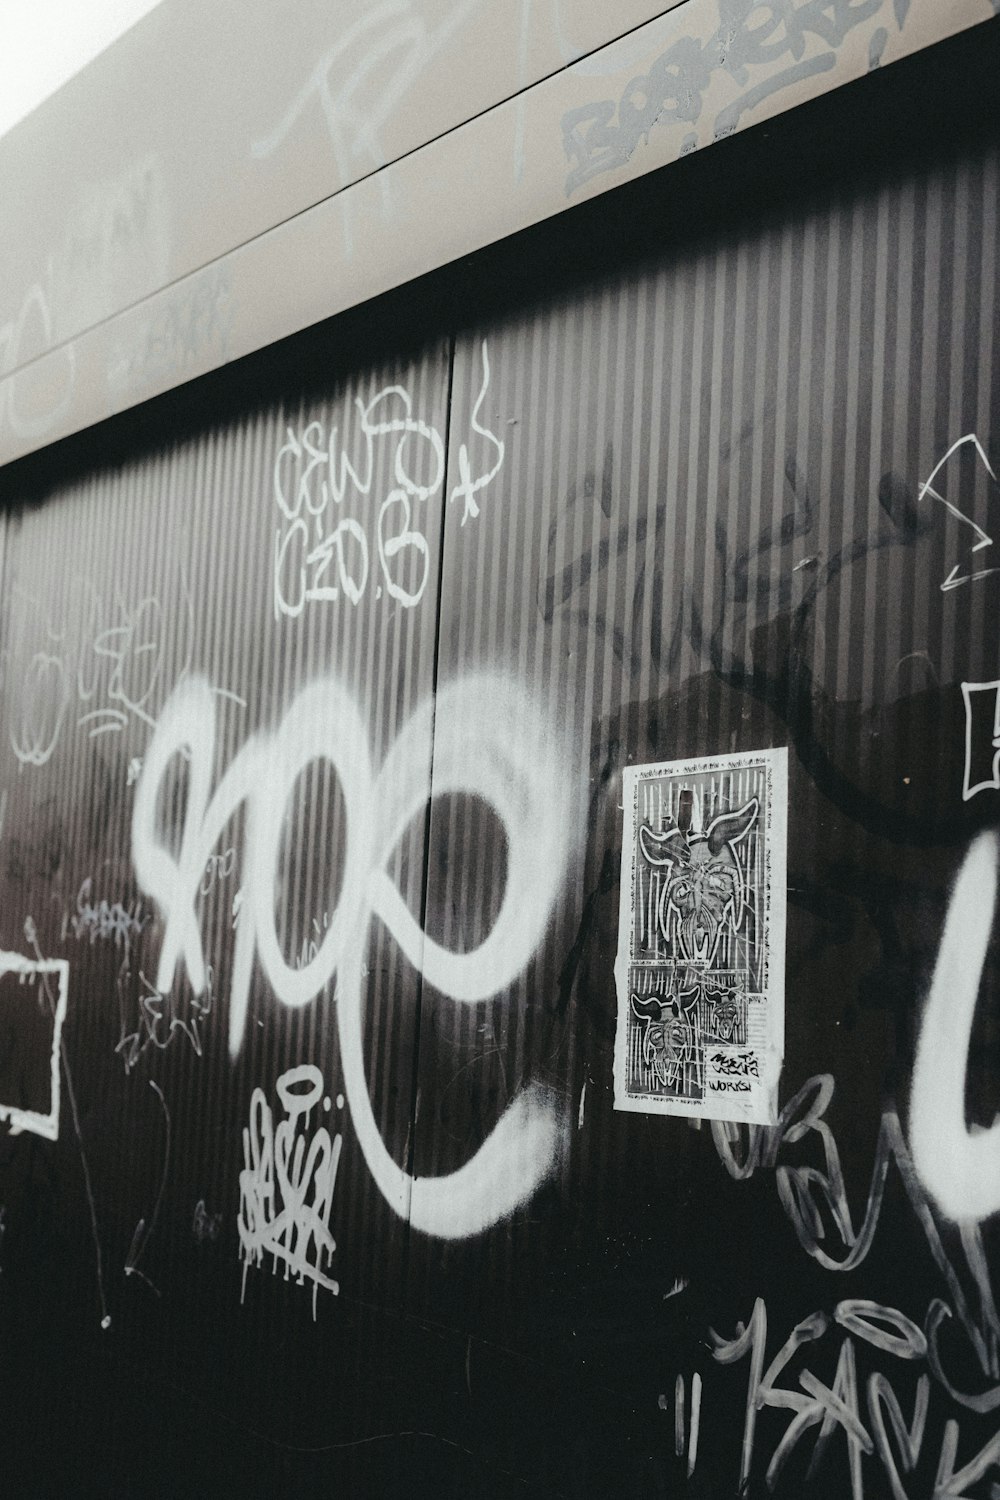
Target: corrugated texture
(120, 590)
(706, 536)
(673, 512)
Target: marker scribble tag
(700, 973)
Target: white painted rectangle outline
(30, 1119)
(762, 1105)
(993, 783)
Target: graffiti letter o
(961, 1170)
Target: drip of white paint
(467, 488)
(958, 1167)
(143, 1232)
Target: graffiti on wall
(34, 993)
(288, 1182)
(322, 553)
(329, 992)
(752, 55)
(700, 969)
(520, 776)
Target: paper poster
(700, 973)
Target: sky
(44, 42)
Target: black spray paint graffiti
(761, 574)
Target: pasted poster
(700, 972)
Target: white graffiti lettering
(287, 1183)
(27, 970)
(491, 743)
(960, 1168)
(110, 921)
(314, 470)
(218, 867)
(152, 1019)
(359, 85)
(21, 339)
(814, 1198)
(109, 663)
(838, 1406)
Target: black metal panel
(676, 505)
(708, 535)
(122, 593)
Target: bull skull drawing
(724, 1012)
(704, 885)
(668, 1043)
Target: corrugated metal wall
(407, 626)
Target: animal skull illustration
(704, 884)
(725, 1013)
(668, 1043)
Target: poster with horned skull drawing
(700, 972)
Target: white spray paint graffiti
(959, 1168)
(325, 473)
(151, 1019)
(115, 248)
(467, 488)
(44, 967)
(982, 732)
(359, 84)
(490, 742)
(205, 1226)
(143, 1231)
(685, 1436)
(219, 867)
(16, 348)
(28, 970)
(844, 1406)
(320, 553)
(955, 578)
(287, 1183)
(832, 1408)
(109, 921)
(109, 660)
